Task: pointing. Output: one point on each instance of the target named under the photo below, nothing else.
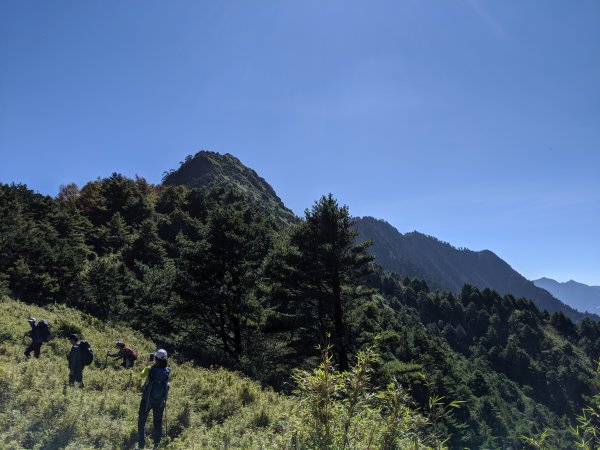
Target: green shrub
(342, 411)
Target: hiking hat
(161, 354)
(31, 319)
(73, 336)
(120, 344)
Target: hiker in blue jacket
(154, 397)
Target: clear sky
(477, 122)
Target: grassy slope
(207, 409)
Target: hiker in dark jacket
(154, 397)
(127, 354)
(39, 334)
(75, 361)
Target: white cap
(161, 354)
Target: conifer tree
(321, 269)
(217, 276)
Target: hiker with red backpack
(128, 355)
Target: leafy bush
(340, 410)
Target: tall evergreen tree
(321, 269)
(103, 281)
(70, 249)
(218, 277)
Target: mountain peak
(208, 169)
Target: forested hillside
(446, 267)
(211, 275)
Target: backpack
(131, 353)
(158, 382)
(44, 330)
(87, 354)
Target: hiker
(128, 354)
(154, 396)
(40, 333)
(81, 355)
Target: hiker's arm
(117, 355)
(168, 383)
(144, 376)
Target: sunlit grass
(207, 409)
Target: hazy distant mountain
(578, 295)
(211, 169)
(446, 267)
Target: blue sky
(477, 122)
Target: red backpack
(131, 353)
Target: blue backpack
(158, 382)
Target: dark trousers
(76, 375)
(157, 407)
(35, 348)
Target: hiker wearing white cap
(154, 397)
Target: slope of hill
(578, 295)
(213, 170)
(206, 408)
(446, 267)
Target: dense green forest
(213, 276)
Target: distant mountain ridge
(445, 267)
(578, 295)
(214, 170)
